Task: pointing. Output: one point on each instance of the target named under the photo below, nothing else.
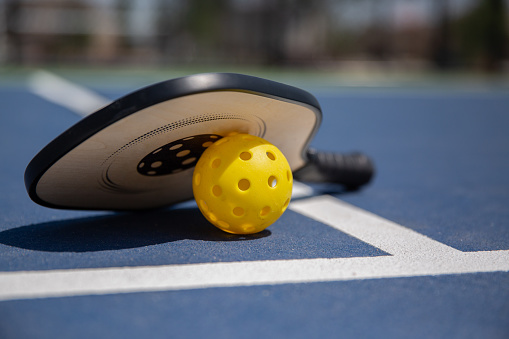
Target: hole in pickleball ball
(245, 155)
(271, 156)
(151, 172)
(238, 211)
(207, 144)
(174, 147)
(248, 228)
(286, 204)
(215, 163)
(157, 151)
(197, 179)
(217, 190)
(223, 224)
(141, 165)
(183, 153)
(222, 141)
(212, 217)
(272, 181)
(288, 176)
(265, 211)
(188, 138)
(204, 206)
(244, 184)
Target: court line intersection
(411, 255)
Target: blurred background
(402, 35)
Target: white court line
(376, 231)
(421, 256)
(60, 283)
(72, 96)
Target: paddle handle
(351, 170)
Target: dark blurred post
(204, 22)
(493, 34)
(123, 8)
(441, 48)
(12, 37)
(3, 33)
(164, 28)
(191, 30)
(273, 24)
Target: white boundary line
(60, 283)
(415, 255)
(376, 231)
(53, 88)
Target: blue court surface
(421, 252)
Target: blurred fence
(440, 34)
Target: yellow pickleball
(242, 184)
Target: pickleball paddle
(139, 151)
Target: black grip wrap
(351, 170)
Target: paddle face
(139, 152)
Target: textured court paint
(413, 255)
